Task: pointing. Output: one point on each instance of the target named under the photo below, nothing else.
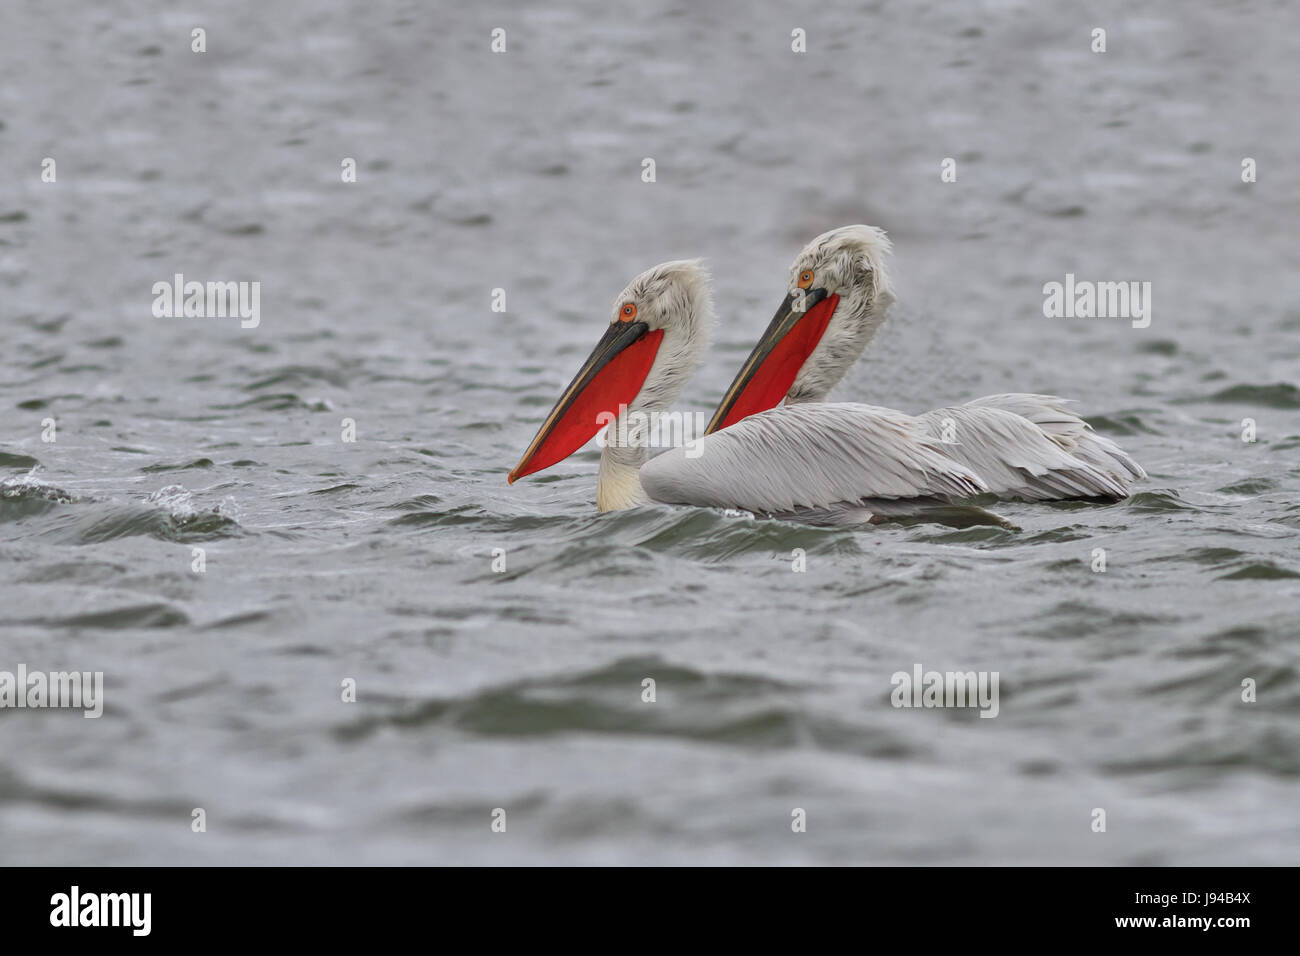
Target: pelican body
(774, 445)
(1021, 445)
(791, 459)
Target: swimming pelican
(1024, 446)
(804, 459)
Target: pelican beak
(611, 377)
(770, 370)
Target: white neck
(618, 485)
(679, 291)
(627, 438)
(857, 318)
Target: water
(521, 690)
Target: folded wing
(810, 456)
(1032, 447)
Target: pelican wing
(809, 456)
(1031, 446)
(1069, 431)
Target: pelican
(805, 460)
(1021, 445)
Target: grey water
(328, 564)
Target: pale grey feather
(1030, 446)
(1069, 431)
(1062, 456)
(809, 456)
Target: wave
(169, 514)
(727, 708)
(25, 495)
(1277, 395)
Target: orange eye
(627, 313)
(805, 278)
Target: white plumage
(1021, 445)
(810, 456)
(1030, 446)
(827, 461)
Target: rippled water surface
(522, 690)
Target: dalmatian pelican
(802, 459)
(1021, 445)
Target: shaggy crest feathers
(848, 262)
(675, 298)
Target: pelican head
(657, 335)
(837, 298)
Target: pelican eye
(805, 278)
(627, 313)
